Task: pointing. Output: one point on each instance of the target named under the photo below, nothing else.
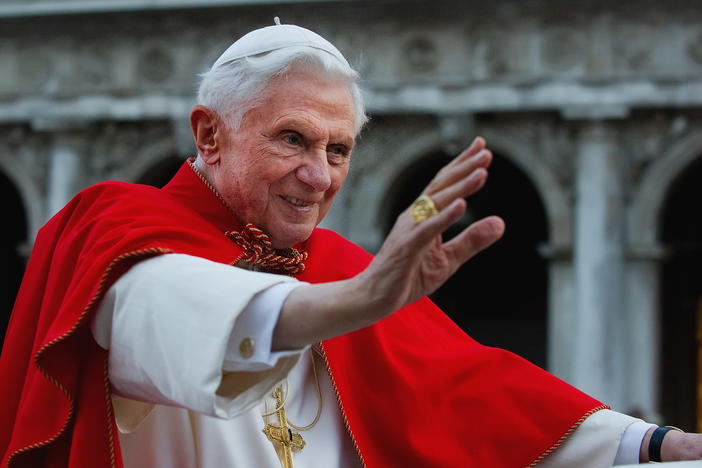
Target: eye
(338, 150)
(337, 154)
(292, 138)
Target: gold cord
(287, 392)
(285, 399)
(319, 398)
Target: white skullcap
(276, 37)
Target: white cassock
(187, 396)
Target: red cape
(414, 389)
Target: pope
(212, 323)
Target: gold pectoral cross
(283, 438)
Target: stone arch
(30, 195)
(149, 157)
(649, 198)
(519, 148)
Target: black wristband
(654, 446)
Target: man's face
(285, 164)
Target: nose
(314, 171)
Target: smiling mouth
(296, 201)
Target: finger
(451, 174)
(476, 146)
(428, 229)
(475, 238)
(463, 188)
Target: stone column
(561, 319)
(642, 325)
(65, 172)
(598, 264)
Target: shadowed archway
(12, 257)
(681, 292)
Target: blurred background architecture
(593, 110)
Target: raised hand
(414, 261)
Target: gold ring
(423, 208)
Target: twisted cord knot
(258, 250)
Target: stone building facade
(594, 113)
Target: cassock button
(246, 347)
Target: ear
(205, 124)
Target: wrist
(655, 446)
(372, 286)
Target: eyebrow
(305, 127)
(347, 142)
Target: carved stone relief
(94, 70)
(96, 58)
(563, 50)
(34, 69)
(119, 150)
(498, 55)
(113, 147)
(421, 54)
(694, 48)
(555, 145)
(647, 138)
(155, 63)
(22, 146)
(357, 48)
(634, 47)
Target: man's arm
(175, 326)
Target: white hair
(232, 89)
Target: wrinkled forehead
(305, 96)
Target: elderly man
(211, 323)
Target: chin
(291, 237)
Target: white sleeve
(176, 325)
(254, 327)
(606, 438)
(629, 450)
